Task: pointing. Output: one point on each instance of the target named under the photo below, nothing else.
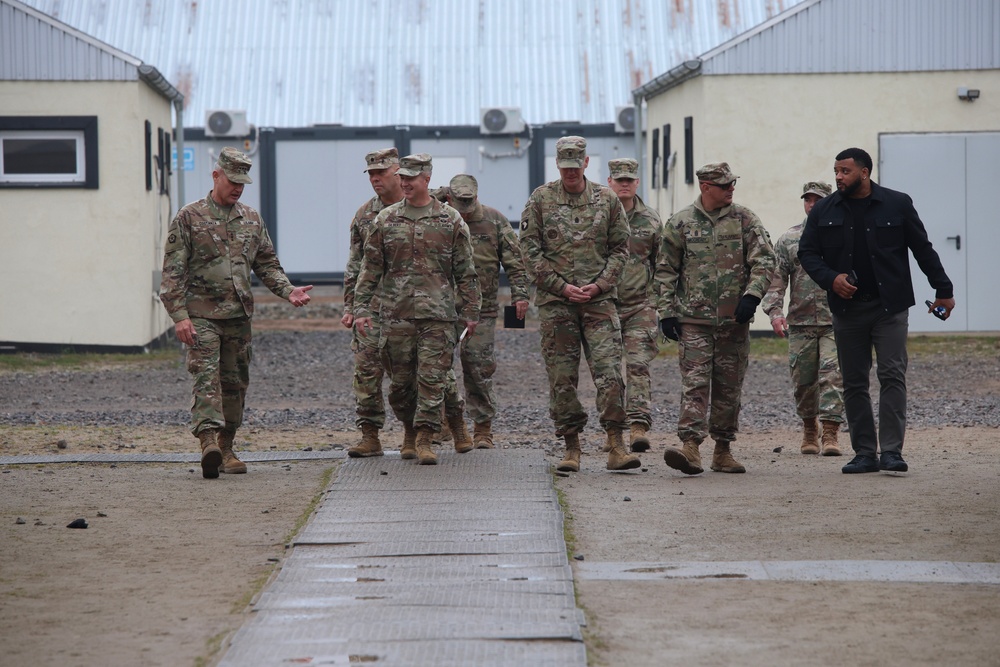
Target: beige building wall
(78, 265)
(778, 131)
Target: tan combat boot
(810, 436)
(638, 442)
(463, 443)
(685, 458)
(482, 435)
(211, 455)
(409, 449)
(370, 445)
(722, 459)
(230, 464)
(444, 435)
(830, 431)
(618, 458)
(571, 460)
(425, 455)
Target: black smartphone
(852, 278)
(938, 312)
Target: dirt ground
(165, 572)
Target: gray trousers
(864, 327)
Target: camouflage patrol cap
(623, 168)
(441, 194)
(571, 152)
(464, 189)
(235, 165)
(381, 159)
(816, 188)
(411, 165)
(716, 172)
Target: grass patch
(30, 362)
(311, 507)
(592, 640)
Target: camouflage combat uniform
(412, 258)
(493, 243)
(812, 350)
(368, 370)
(637, 310)
(708, 262)
(578, 239)
(209, 254)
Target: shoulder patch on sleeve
(524, 225)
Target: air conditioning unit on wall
(226, 123)
(625, 119)
(500, 120)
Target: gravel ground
(303, 378)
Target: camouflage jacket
(574, 239)
(635, 289)
(706, 265)
(494, 243)
(412, 259)
(361, 226)
(807, 302)
(208, 257)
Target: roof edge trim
(159, 83)
(661, 84)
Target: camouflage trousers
(368, 373)
(594, 327)
(417, 355)
(479, 363)
(640, 339)
(812, 359)
(219, 363)
(713, 363)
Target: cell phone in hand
(852, 278)
(938, 312)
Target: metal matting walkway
(458, 564)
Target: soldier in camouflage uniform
(493, 243)
(812, 350)
(381, 166)
(636, 301)
(715, 265)
(418, 259)
(212, 246)
(574, 237)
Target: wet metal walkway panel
(458, 564)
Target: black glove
(671, 328)
(746, 308)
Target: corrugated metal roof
(834, 36)
(296, 63)
(34, 47)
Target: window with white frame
(54, 156)
(48, 151)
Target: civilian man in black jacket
(854, 246)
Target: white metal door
(982, 176)
(933, 170)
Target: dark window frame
(689, 150)
(666, 156)
(87, 124)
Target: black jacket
(892, 225)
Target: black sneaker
(861, 463)
(892, 462)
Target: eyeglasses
(723, 186)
